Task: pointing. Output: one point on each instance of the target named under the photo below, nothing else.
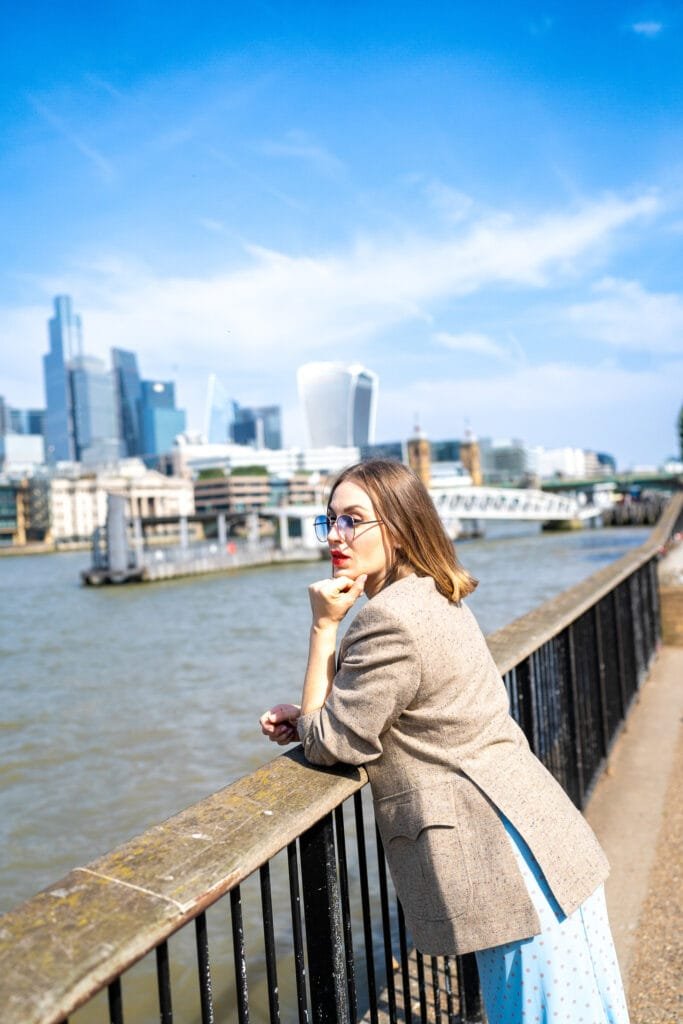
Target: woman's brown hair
(401, 501)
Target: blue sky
(483, 205)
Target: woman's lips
(338, 558)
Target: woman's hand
(279, 723)
(331, 599)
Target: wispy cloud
(216, 227)
(649, 29)
(102, 165)
(299, 146)
(471, 341)
(627, 316)
(451, 203)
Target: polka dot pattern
(566, 975)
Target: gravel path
(656, 976)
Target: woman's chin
(343, 570)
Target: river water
(119, 706)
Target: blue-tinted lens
(322, 528)
(345, 528)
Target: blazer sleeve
(377, 679)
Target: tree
(680, 433)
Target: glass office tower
(161, 421)
(259, 426)
(65, 339)
(339, 402)
(128, 400)
(95, 421)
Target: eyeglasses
(346, 526)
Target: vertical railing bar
(575, 712)
(365, 906)
(450, 994)
(386, 928)
(324, 930)
(468, 986)
(346, 911)
(405, 965)
(204, 969)
(436, 990)
(297, 933)
(115, 998)
(657, 606)
(269, 944)
(164, 984)
(619, 640)
(602, 683)
(239, 955)
(422, 988)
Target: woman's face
(371, 551)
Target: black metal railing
(292, 857)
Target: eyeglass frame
(331, 521)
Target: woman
(486, 851)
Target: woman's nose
(333, 526)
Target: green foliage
(211, 474)
(249, 471)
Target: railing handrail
(519, 638)
(86, 929)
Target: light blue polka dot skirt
(566, 975)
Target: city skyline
(482, 206)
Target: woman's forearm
(320, 668)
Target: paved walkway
(637, 812)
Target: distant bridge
(502, 503)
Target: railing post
(470, 992)
(575, 717)
(600, 664)
(324, 932)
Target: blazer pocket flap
(407, 814)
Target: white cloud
(276, 310)
(649, 29)
(604, 407)
(471, 341)
(627, 316)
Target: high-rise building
(339, 403)
(259, 426)
(160, 420)
(128, 398)
(93, 395)
(218, 412)
(65, 339)
(5, 414)
(27, 421)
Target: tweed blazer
(417, 698)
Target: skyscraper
(218, 405)
(256, 425)
(128, 397)
(65, 341)
(160, 420)
(95, 422)
(339, 403)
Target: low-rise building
(216, 491)
(78, 501)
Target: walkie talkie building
(339, 403)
